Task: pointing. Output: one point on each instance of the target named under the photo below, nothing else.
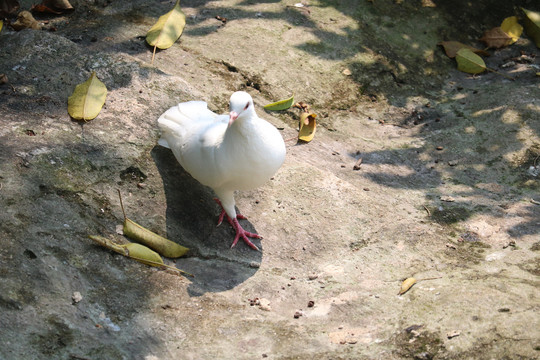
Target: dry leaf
(144, 236)
(58, 5)
(452, 47)
(496, 38)
(532, 25)
(137, 252)
(87, 99)
(44, 9)
(25, 20)
(307, 126)
(406, 285)
(167, 29)
(511, 26)
(1, 25)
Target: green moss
(450, 215)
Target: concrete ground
(447, 190)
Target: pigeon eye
(247, 105)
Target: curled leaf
(406, 285)
(280, 105)
(452, 47)
(144, 236)
(496, 38)
(307, 126)
(87, 99)
(25, 20)
(167, 29)
(511, 26)
(532, 25)
(136, 252)
(469, 62)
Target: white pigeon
(239, 151)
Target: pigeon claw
(241, 233)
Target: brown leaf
(496, 38)
(452, 47)
(40, 8)
(58, 5)
(25, 20)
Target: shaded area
(191, 221)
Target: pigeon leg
(223, 213)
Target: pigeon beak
(232, 116)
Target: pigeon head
(240, 105)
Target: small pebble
(313, 277)
(76, 297)
(439, 148)
(297, 314)
(310, 303)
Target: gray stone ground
(448, 187)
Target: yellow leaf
(280, 105)
(511, 26)
(469, 62)
(532, 25)
(1, 25)
(167, 29)
(406, 285)
(87, 99)
(307, 126)
(144, 236)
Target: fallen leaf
(44, 9)
(469, 62)
(496, 38)
(452, 47)
(25, 20)
(167, 29)
(87, 99)
(532, 25)
(58, 5)
(144, 236)
(406, 285)
(3, 79)
(511, 26)
(280, 105)
(307, 126)
(1, 25)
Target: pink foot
(240, 232)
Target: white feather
(226, 158)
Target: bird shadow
(191, 218)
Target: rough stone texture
(447, 192)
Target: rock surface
(447, 190)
